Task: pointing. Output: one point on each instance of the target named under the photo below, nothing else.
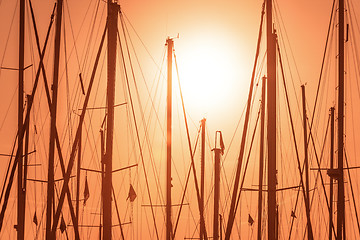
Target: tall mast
(271, 127)
(170, 45)
(111, 74)
(332, 121)
(21, 191)
(307, 189)
(261, 164)
(340, 203)
(50, 187)
(78, 177)
(217, 151)
(202, 223)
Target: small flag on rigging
(35, 219)
(62, 225)
(132, 194)
(250, 220)
(86, 191)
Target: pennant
(86, 191)
(62, 225)
(35, 219)
(222, 145)
(132, 194)
(250, 220)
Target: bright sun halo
(209, 75)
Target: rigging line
(191, 155)
(90, 33)
(72, 30)
(147, 88)
(322, 65)
(292, 128)
(90, 37)
(152, 102)
(189, 172)
(322, 180)
(351, 7)
(290, 72)
(39, 227)
(138, 136)
(86, 49)
(182, 157)
(357, 68)
(352, 192)
(62, 215)
(43, 69)
(224, 175)
(22, 130)
(8, 168)
(67, 89)
(117, 213)
(75, 95)
(8, 37)
(146, 126)
(30, 45)
(147, 50)
(75, 144)
(8, 109)
(242, 147)
(354, 43)
(138, 95)
(247, 160)
(124, 27)
(279, 16)
(319, 162)
(185, 188)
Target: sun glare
(210, 75)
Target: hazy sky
(215, 55)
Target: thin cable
(138, 140)
(191, 152)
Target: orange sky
(215, 50)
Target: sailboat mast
(217, 151)
(261, 164)
(341, 200)
(50, 187)
(78, 177)
(332, 121)
(202, 184)
(21, 193)
(307, 188)
(271, 127)
(111, 74)
(170, 45)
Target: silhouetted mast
(271, 127)
(218, 151)
(234, 196)
(307, 189)
(111, 73)
(21, 190)
(78, 177)
(341, 200)
(332, 121)
(261, 163)
(50, 188)
(170, 45)
(202, 184)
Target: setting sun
(209, 73)
(179, 119)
